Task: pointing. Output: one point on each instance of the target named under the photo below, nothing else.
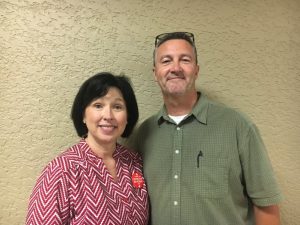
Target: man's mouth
(173, 77)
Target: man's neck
(178, 105)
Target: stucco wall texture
(249, 55)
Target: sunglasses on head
(161, 38)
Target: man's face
(175, 67)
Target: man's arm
(267, 215)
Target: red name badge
(137, 180)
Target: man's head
(175, 63)
(161, 38)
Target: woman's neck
(104, 151)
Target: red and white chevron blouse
(76, 188)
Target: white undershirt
(177, 119)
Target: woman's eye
(98, 106)
(119, 107)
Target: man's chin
(175, 92)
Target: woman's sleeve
(49, 201)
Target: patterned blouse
(76, 188)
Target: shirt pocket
(211, 178)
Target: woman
(96, 181)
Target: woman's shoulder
(69, 158)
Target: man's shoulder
(150, 120)
(220, 111)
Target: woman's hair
(97, 86)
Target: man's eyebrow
(186, 55)
(165, 56)
(180, 56)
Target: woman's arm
(49, 201)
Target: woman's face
(106, 118)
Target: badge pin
(137, 180)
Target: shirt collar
(199, 111)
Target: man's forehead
(175, 42)
(175, 46)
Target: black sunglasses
(159, 39)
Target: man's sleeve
(261, 185)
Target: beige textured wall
(249, 55)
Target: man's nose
(176, 67)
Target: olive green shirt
(209, 169)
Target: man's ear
(153, 72)
(198, 70)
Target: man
(204, 163)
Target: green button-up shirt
(209, 169)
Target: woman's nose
(107, 113)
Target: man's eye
(186, 60)
(164, 61)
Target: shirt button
(175, 203)
(178, 128)
(177, 151)
(176, 176)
